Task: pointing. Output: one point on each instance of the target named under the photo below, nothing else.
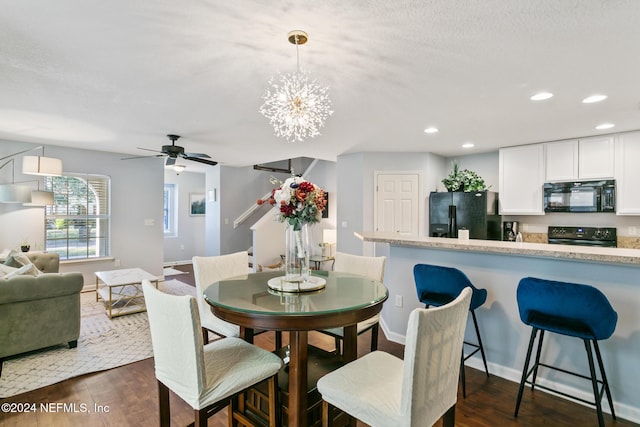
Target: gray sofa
(39, 311)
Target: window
(77, 226)
(170, 207)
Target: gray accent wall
(136, 200)
(237, 189)
(356, 192)
(190, 237)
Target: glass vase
(296, 254)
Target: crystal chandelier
(295, 105)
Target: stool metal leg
(534, 332)
(604, 378)
(594, 382)
(462, 377)
(537, 363)
(484, 358)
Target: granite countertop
(543, 250)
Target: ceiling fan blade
(200, 160)
(148, 149)
(200, 155)
(141, 157)
(170, 161)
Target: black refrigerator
(457, 210)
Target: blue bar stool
(436, 286)
(573, 310)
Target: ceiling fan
(173, 151)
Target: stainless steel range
(587, 236)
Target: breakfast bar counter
(542, 250)
(498, 267)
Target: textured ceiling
(120, 74)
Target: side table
(319, 259)
(121, 290)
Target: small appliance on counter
(605, 237)
(510, 231)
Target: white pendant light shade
(40, 165)
(15, 193)
(40, 198)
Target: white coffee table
(121, 290)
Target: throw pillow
(17, 259)
(25, 270)
(5, 254)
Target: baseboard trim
(624, 411)
(174, 263)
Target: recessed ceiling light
(541, 96)
(594, 98)
(605, 126)
(468, 145)
(431, 130)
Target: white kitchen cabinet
(561, 160)
(596, 157)
(586, 158)
(521, 177)
(627, 173)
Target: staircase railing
(254, 207)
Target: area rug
(103, 344)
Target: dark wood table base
(319, 363)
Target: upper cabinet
(522, 175)
(561, 160)
(627, 156)
(596, 157)
(587, 158)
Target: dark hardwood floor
(128, 397)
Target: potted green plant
(464, 180)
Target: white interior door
(398, 203)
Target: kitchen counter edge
(541, 250)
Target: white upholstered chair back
(177, 342)
(432, 360)
(208, 270)
(371, 267)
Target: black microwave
(580, 196)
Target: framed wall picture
(197, 204)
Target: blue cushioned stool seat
(569, 309)
(436, 286)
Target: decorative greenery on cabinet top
(464, 180)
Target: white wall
(136, 196)
(190, 237)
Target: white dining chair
(206, 376)
(382, 390)
(371, 267)
(208, 270)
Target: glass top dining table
(345, 300)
